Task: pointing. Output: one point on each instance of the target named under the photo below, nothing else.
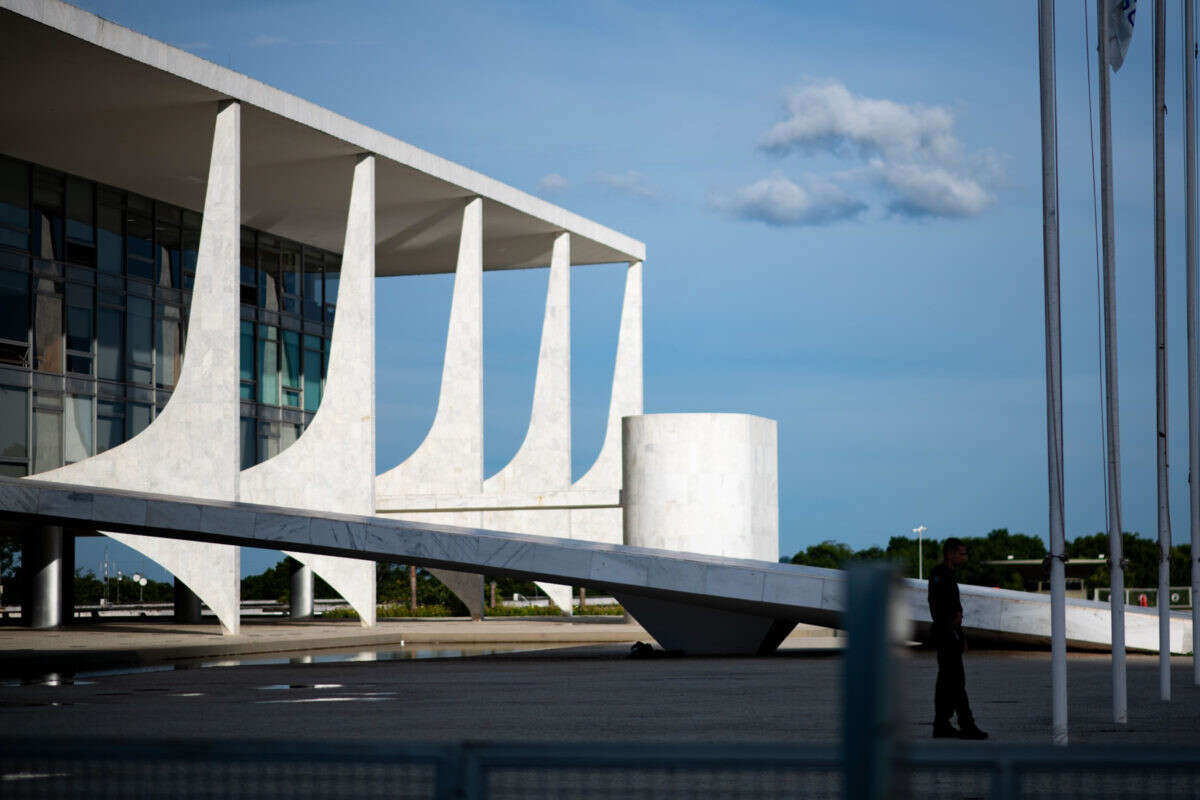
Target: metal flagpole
(1116, 566)
(1160, 337)
(1054, 438)
(1189, 129)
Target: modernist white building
(188, 260)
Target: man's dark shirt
(943, 596)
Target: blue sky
(841, 208)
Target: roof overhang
(95, 99)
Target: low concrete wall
(702, 483)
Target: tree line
(998, 545)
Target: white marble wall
(702, 483)
(331, 467)
(191, 447)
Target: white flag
(1120, 30)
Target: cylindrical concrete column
(701, 483)
(42, 558)
(187, 604)
(302, 590)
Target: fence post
(869, 682)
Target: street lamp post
(920, 532)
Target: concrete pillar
(187, 604)
(301, 605)
(543, 462)
(450, 459)
(199, 426)
(331, 467)
(605, 524)
(42, 561)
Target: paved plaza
(585, 693)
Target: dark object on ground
(641, 650)
(972, 732)
(946, 731)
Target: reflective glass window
(312, 373)
(189, 247)
(291, 360)
(249, 267)
(249, 450)
(79, 329)
(332, 274)
(48, 326)
(14, 204)
(268, 272)
(81, 222)
(139, 336)
(289, 432)
(14, 306)
(47, 437)
(48, 221)
(167, 346)
(268, 440)
(137, 418)
(314, 302)
(168, 241)
(111, 360)
(246, 361)
(110, 242)
(77, 428)
(110, 424)
(268, 365)
(139, 237)
(290, 277)
(14, 441)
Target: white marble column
(450, 459)
(331, 467)
(191, 447)
(605, 524)
(543, 462)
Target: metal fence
(61, 768)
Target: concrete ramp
(690, 602)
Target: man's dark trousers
(950, 692)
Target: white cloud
(826, 116)
(914, 164)
(552, 183)
(927, 191)
(631, 183)
(779, 202)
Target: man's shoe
(945, 731)
(972, 732)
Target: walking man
(950, 693)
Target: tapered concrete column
(191, 447)
(42, 559)
(450, 459)
(543, 462)
(301, 600)
(187, 605)
(331, 467)
(605, 524)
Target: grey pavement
(591, 693)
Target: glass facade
(95, 287)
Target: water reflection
(333, 656)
